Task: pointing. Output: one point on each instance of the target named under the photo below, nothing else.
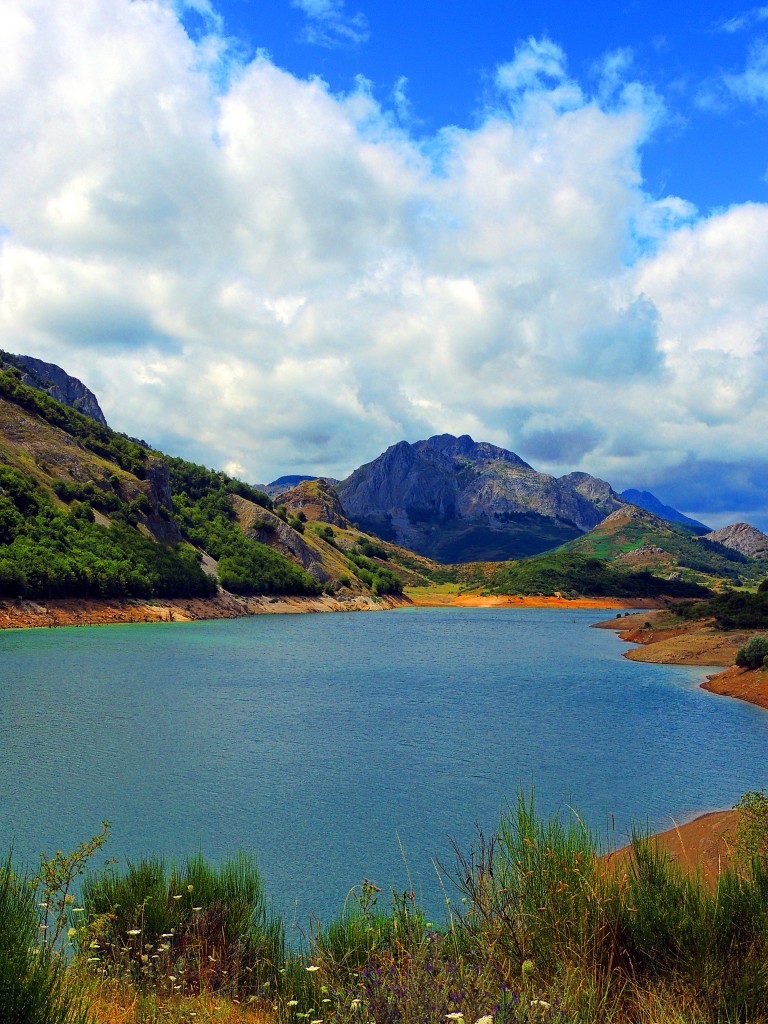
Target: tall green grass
(545, 929)
(185, 927)
(35, 987)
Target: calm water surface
(323, 742)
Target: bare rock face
(456, 484)
(57, 383)
(742, 537)
(160, 521)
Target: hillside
(458, 500)
(86, 512)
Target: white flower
(542, 1003)
(454, 1016)
(487, 1019)
(312, 967)
(134, 931)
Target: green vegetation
(130, 455)
(378, 578)
(47, 551)
(572, 574)
(35, 986)
(731, 610)
(190, 926)
(544, 930)
(754, 653)
(207, 519)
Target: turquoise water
(326, 743)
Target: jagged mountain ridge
(456, 499)
(53, 381)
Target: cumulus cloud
(254, 272)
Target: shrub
(34, 988)
(187, 927)
(753, 653)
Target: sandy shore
(21, 614)
(704, 844)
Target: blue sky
(280, 237)
(711, 150)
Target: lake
(340, 747)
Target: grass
(543, 928)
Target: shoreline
(72, 611)
(695, 644)
(526, 601)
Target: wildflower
(167, 935)
(355, 1003)
(190, 888)
(312, 967)
(177, 897)
(134, 931)
(528, 968)
(197, 908)
(293, 1002)
(458, 1015)
(542, 1003)
(487, 1019)
(71, 933)
(69, 898)
(77, 910)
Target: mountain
(635, 539)
(88, 512)
(743, 538)
(456, 500)
(648, 501)
(57, 383)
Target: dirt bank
(20, 614)
(664, 640)
(705, 843)
(517, 601)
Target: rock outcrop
(742, 537)
(57, 383)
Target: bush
(753, 653)
(33, 985)
(191, 927)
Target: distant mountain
(456, 500)
(286, 483)
(743, 538)
(55, 382)
(646, 500)
(634, 539)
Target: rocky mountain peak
(57, 383)
(742, 537)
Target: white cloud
(328, 24)
(266, 275)
(745, 20)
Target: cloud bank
(265, 275)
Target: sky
(278, 236)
